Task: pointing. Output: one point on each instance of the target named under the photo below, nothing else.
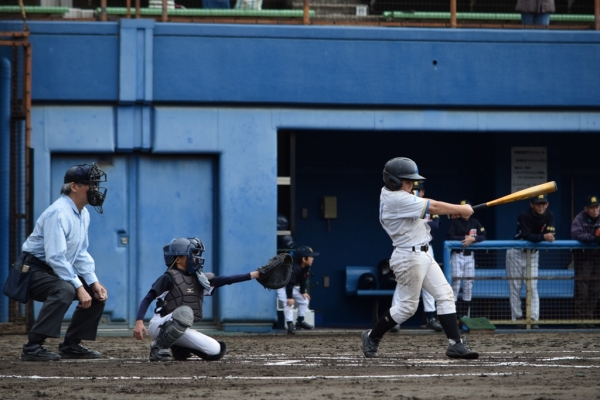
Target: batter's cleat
(369, 346)
(38, 352)
(395, 329)
(435, 325)
(303, 325)
(461, 350)
(158, 354)
(77, 351)
(290, 328)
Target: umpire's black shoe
(461, 350)
(369, 346)
(303, 325)
(76, 350)
(290, 328)
(38, 352)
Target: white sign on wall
(529, 167)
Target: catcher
(179, 295)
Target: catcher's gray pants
(416, 270)
(57, 296)
(191, 339)
(300, 301)
(516, 262)
(462, 267)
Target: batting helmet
(190, 247)
(400, 168)
(367, 282)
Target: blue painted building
(189, 122)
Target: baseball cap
(418, 185)
(542, 198)
(305, 251)
(591, 201)
(78, 174)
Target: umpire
(62, 270)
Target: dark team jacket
(459, 228)
(176, 287)
(434, 223)
(298, 277)
(585, 229)
(532, 226)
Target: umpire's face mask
(96, 194)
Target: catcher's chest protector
(186, 291)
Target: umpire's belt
(421, 248)
(464, 252)
(32, 260)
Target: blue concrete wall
(454, 100)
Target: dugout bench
(353, 273)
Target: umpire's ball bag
(17, 283)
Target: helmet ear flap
(391, 182)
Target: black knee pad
(215, 357)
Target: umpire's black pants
(57, 296)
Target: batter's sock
(450, 326)
(384, 324)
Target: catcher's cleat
(38, 352)
(180, 353)
(435, 325)
(290, 328)
(461, 350)
(158, 354)
(76, 350)
(369, 346)
(303, 325)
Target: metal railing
(554, 280)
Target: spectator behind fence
(535, 12)
(586, 229)
(468, 230)
(536, 224)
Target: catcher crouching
(179, 295)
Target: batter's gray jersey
(402, 216)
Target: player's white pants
(191, 339)
(428, 300)
(516, 261)
(462, 267)
(416, 270)
(300, 301)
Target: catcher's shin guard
(170, 331)
(214, 357)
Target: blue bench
(353, 273)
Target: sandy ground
(320, 365)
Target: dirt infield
(317, 365)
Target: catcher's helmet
(367, 282)
(397, 169)
(91, 175)
(191, 247)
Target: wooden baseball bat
(528, 193)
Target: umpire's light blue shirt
(60, 239)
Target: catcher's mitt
(276, 273)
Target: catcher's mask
(91, 175)
(190, 247)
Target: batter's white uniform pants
(191, 339)
(462, 267)
(416, 270)
(300, 301)
(516, 261)
(428, 300)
